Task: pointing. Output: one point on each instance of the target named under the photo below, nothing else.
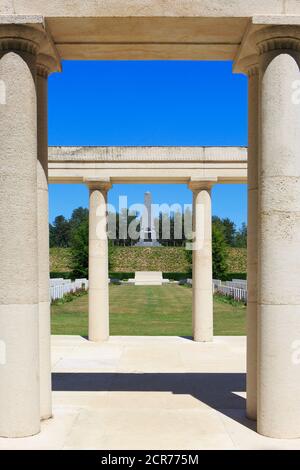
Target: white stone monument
(148, 233)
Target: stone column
(98, 261)
(19, 336)
(45, 65)
(202, 260)
(250, 66)
(279, 234)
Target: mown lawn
(146, 311)
(165, 310)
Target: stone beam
(147, 29)
(147, 164)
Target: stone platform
(148, 278)
(148, 393)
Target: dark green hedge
(121, 276)
(64, 275)
(171, 276)
(231, 276)
(177, 276)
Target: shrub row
(231, 276)
(171, 276)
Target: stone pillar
(45, 65)
(19, 335)
(250, 66)
(279, 234)
(202, 261)
(98, 261)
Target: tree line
(73, 233)
(62, 230)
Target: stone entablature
(149, 30)
(147, 164)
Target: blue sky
(148, 103)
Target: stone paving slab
(148, 393)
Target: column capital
(29, 35)
(102, 184)
(248, 65)
(46, 65)
(20, 37)
(273, 38)
(197, 184)
(262, 38)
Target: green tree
(78, 216)
(219, 253)
(80, 250)
(189, 258)
(241, 237)
(60, 232)
(52, 239)
(229, 231)
(228, 228)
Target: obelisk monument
(148, 232)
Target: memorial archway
(100, 167)
(263, 39)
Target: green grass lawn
(146, 311)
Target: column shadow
(217, 390)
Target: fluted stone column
(250, 66)
(98, 261)
(45, 65)
(202, 260)
(279, 234)
(19, 336)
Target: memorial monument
(148, 232)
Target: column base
(45, 360)
(200, 340)
(279, 371)
(251, 414)
(251, 386)
(19, 370)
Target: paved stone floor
(148, 393)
